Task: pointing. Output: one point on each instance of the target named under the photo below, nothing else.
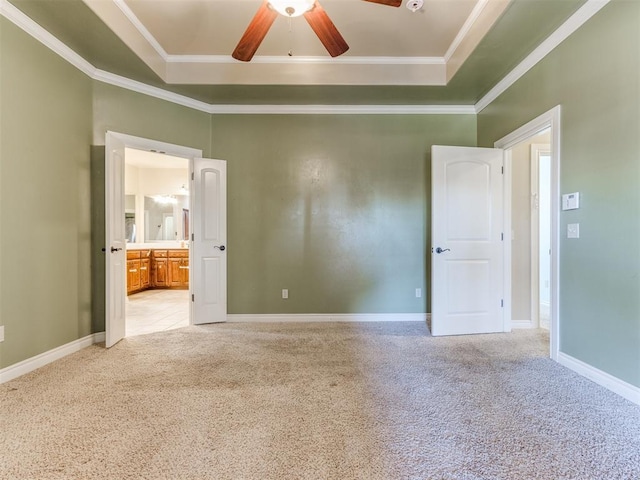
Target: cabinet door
(175, 272)
(145, 272)
(184, 273)
(133, 275)
(161, 272)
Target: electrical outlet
(285, 293)
(2, 333)
(418, 293)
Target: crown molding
(466, 28)
(22, 21)
(574, 22)
(286, 60)
(135, 21)
(343, 109)
(139, 87)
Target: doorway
(206, 270)
(157, 205)
(542, 136)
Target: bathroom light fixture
(165, 199)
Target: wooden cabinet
(133, 276)
(178, 268)
(157, 269)
(145, 273)
(138, 267)
(160, 269)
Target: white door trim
(149, 145)
(549, 119)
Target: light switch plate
(1, 333)
(573, 230)
(571, 201)
(285, 293)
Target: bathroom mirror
(163, 217)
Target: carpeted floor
(315, 401)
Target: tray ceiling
(449, 52)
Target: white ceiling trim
(343, 109)
(139, 87)
(574, 22)
(25, 23)
(466, 28)
(141, 28)
(13, 14)
(286, 60)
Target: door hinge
(193, 176)
(193, 297)
(192, 237)
(502, 170)
(502, 236)
(502, 303)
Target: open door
(467, 271)
(209, 241)
(115, 246)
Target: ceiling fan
(313, 12)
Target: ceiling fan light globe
(291, 8)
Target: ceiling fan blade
(326, 30)
(391, 3)
(255, 33)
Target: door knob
(113, 249)
(440, 250)
(221, 247)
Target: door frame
(155, 146)
(551, 120)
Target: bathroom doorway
(157, 203)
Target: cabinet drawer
(133, 254)
(160, 253)
(179, 253)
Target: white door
(467, 248)
(115, 251)
(208, 265)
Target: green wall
(333, 207)
(45, 289)
(123, 111)
(594, 76)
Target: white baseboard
(521, 324)
(33, 363)
(327, 317)
(624, 389)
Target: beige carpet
(315, 401)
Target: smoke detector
(415, 5)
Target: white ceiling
(190, 41)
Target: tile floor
(155, 310)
